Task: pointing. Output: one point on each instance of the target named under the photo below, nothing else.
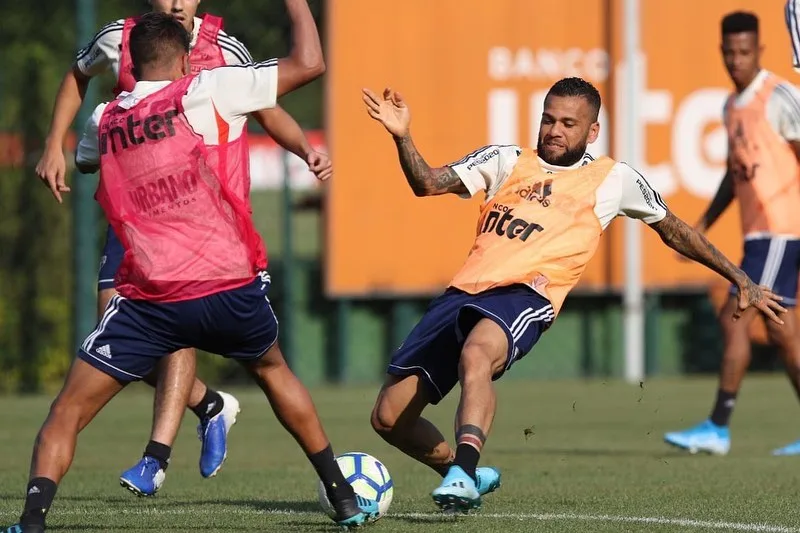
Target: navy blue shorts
(110, 260)
(133, 335)
(433, 347)
(775, 263)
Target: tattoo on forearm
(682, 238)
(423, 179)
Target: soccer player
(542, 219)
(211, 47)
(793, 25)
(762, 117)
(175, 187)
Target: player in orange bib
(541, 222)
(762, 117)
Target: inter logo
(120, 134)
(501, 220)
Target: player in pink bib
(193, 274)
(211, 47)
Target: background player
(211, 47)
(541, 222)
(793, 26)
(201, 216)
(762, 117)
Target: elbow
(420, 192)
(315, 68)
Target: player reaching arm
(392, 111)
(541, 222)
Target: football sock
(331, 475)
(470, 440)
(467, 458)
(159, 452)
(723, 408)
(210, 406)
(41, 492)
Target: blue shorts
(133, 335)
(433, 347)
(110, 260)
(775, 263)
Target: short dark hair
(739, 22)
(577, 87)
(156, 37)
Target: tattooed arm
(424, 180)
(684, 239)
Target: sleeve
(98, 56)
(233, 50)
(239, 90)
(638, 199)
(487, 168)
(785, 111)
(88, 151)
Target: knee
(382, 420)
(65, 414)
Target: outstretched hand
(762, 298)
(390, 110)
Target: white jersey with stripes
(624, 191)
(103, 52)
(226, 94)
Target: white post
(634, 293)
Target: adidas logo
(105, 351)
(210, 407)
(34, 490)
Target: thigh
(130, 339)
(520, 312)
(109, 261)
(432, 348)
(86, 391)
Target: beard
(565, 159)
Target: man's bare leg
(85, 392)
(396, 418)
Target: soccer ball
(368, 477)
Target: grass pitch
(575, 456)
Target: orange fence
(475, 73)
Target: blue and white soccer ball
(368, 477)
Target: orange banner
(473, 76)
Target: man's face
(568, 125)
(742, 54)
(183, 10)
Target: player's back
(185, 231)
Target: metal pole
(634, 293)
(84, 208)
(287, 274)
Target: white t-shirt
(228, 92)
(783, 106)
(623, 192)
(103, 52)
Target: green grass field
(592, 460)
